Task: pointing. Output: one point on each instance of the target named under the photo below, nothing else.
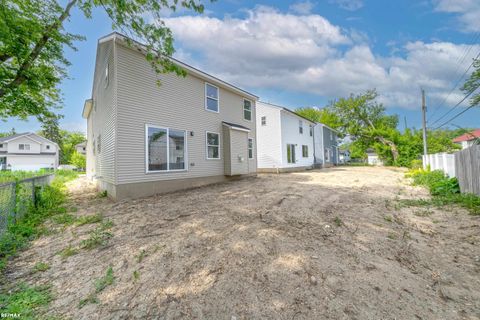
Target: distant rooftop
(468, 136)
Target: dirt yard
(328, 244)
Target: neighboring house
(373, 159)
(284, 139)
(468, 139)
(344, 156)
(144, 138)
(81, 148)
(27, 151)
(326, 145)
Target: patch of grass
(391, 236)
(141, 255)
(388, 218)
(99, 236)
(50, 202)
(25, 300)
(105, 281)
(90, 299)
(67, 252)
(90, 219)
(338, 221)
(64, 218)
(102, 194)
(41, 267)
(136, 275)
(423, 213)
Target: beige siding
(238, 152)
(103, 117)
(179, 103)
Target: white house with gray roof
(285, 139)
(27, 151)
(144, 138)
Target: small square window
(48, 147)
(1, 145)
(264, 121)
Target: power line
(455, 117)
(475, 37)
(466, 71)
(454, 107)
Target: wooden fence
(467, 167)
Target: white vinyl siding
(264, 121)
(212, 99)
(212, 141)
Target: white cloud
(350, 5)
(303, 8)
(468, 11)
(268, 49)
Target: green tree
(473, 83)
(69, 140)
(33, 40)
(78, 160)
(325, 116)
(364, 120)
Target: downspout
(323, 147)
(313, 135)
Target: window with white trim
(264, 121)
(300, 126)
(165, 149)
(24, 146)
(305, 151)
(247, 110)
(291, 153)
(106, 76)
(211, 97)
(213, 145)
(250, 148)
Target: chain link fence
(16, 198)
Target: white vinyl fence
(441, 161)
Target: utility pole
(424, 123)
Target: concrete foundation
(283, 170)
(145, 189)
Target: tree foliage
(33, 40)
(325, 116)
(473, 83)
(78, 160)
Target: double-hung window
(264, 121)
(300, 126)
(247, 110)
(166, 149)
(211, 97)
(311, 131)
(291, 153)
(213, 145)
(304, 151)
(250, 148)
(24, 146)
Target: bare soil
(326, 244)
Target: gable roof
(468, 136)
(287, 110)
(192, 70)
(30, 135)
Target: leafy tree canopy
(33, 40)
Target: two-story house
(144, 138)
(27, 151)
(285, 139)
(326, 145)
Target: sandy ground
(326, 244)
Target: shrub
(416, 164)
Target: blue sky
(307, 53)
